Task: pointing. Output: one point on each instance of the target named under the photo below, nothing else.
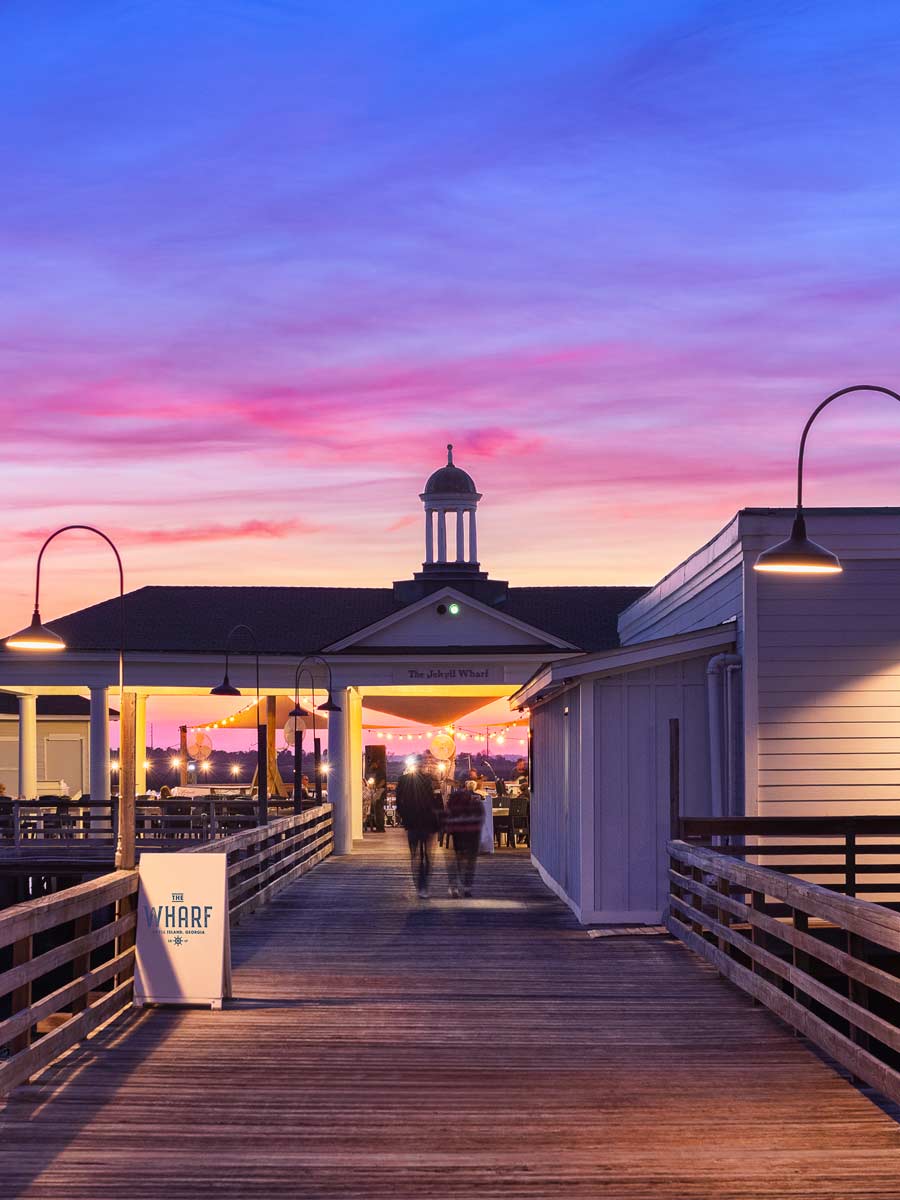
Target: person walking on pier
(420, 818)
(462, 821)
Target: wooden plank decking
(381, 1046)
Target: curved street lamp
(298, 712)
(37, 637)
(797, 555)
(227, 688)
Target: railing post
(757, 935)
(17, 823)
(722, 915)
(857, 992)
(20, 997)
(81, 964)
(850, 864)
(128, 904)
(213, 825)
(803, 962)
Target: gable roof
(301, 620)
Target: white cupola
(450, 492)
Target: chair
(519, 820)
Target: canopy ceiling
(428, 710)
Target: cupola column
(442, 535)
(460, 536)
(473, 540)
(429, 535)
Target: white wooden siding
(631, 770)
(828, 681)
(556, 794)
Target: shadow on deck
(382, 1046)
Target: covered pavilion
(432, 648)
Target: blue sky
(268, 258)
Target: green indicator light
(453, 609)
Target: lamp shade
(329, 705)
(225, 688)
(298, 711)
(797, 555)
(35, 637)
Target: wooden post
(183, 755)
(125, 841)
(850, 864)
(757, 936)
(81, 927)
(674, 778)
(20, 998)
(276, 783)
(803, 962)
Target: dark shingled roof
(301, 620)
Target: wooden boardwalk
(382, 1046)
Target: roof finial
(449, 454)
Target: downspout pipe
(715, 675)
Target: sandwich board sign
(183, 953)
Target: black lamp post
(797, 555)
(227, 688)
(37, 637)
(298, 712)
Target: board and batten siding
(829, 691)
(631, 771)
(556, 794)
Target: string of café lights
(389, 733)
(399, 733)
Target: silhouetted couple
(422, 814)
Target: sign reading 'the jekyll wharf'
(183, 945)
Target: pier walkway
(382, 1046)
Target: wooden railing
(829, 968)
(858, 856)
(168, 824)
(265, 859)
(67, 961)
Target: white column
(354, 761)
(473, 540)
(429, 535)
(99, 745)
(28, 779)
(442, 535)
(338, 775)
(140, 743)
(460, 537)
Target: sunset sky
(262, 260)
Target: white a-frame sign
(183, 945)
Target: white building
(431, 648)
(785, 688)
(61, 745)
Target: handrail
(89, 959)
(822, 968)
(263, 860)
(850, 854)
(84, 975)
